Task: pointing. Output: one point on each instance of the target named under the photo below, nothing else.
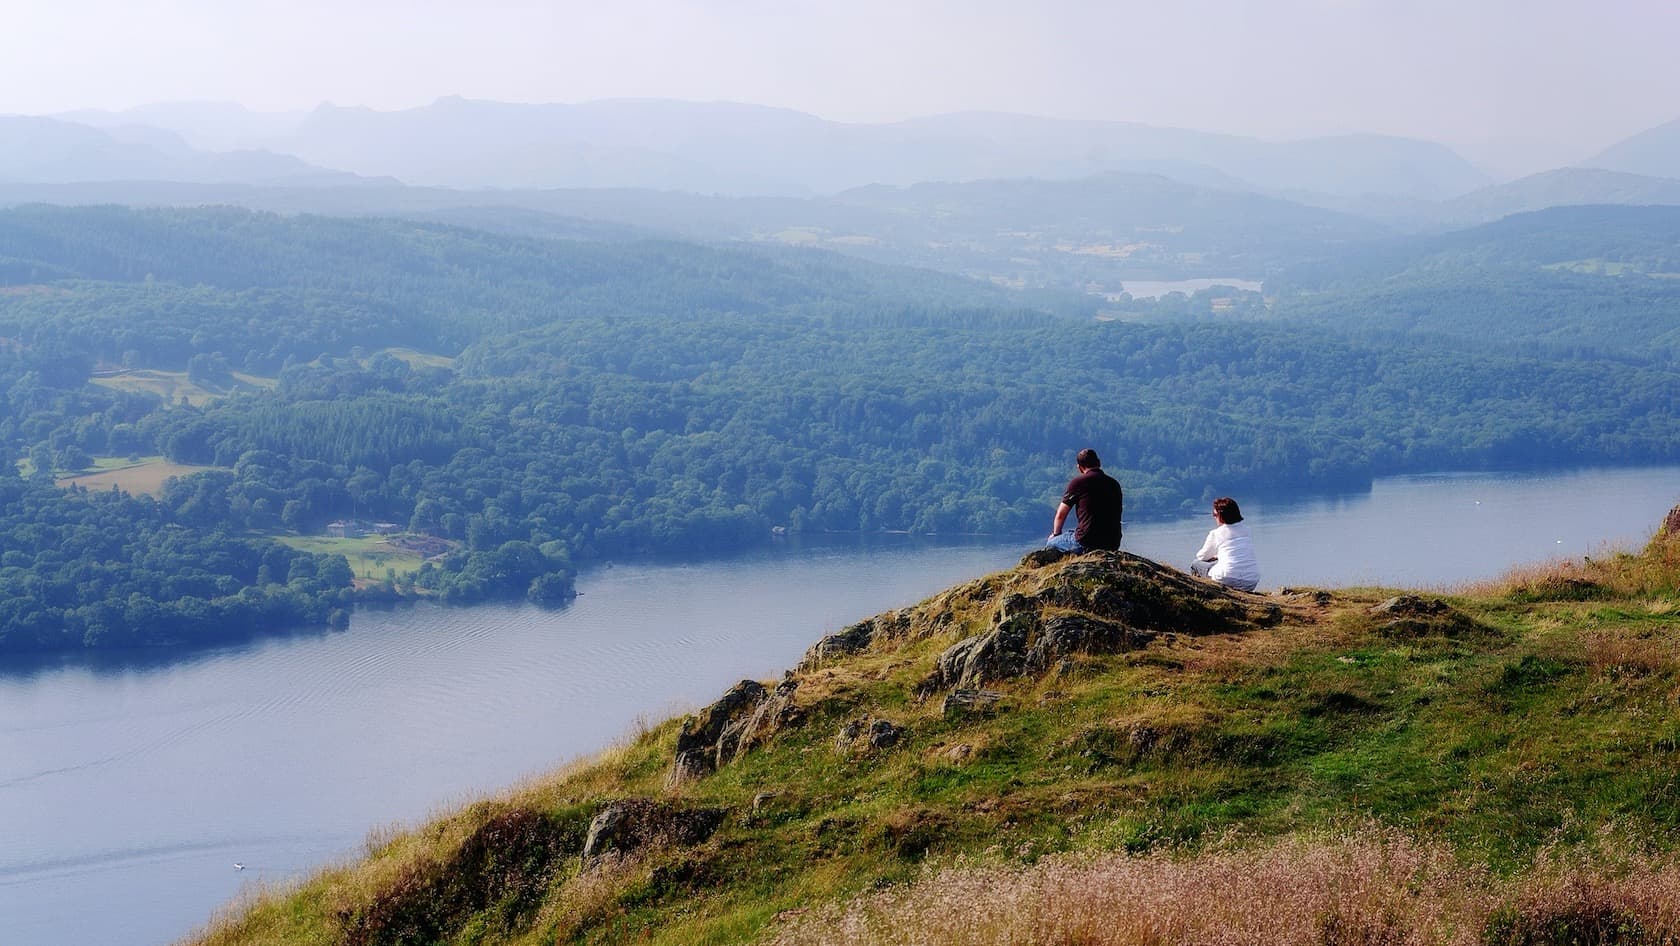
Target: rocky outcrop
(509, 861)
(855, 638)
(625, 827)
(1670, 525)
(960, 703)
(1092, 604)
(876, 734)
(1404, 616)
(1037, 619)
(742, 717)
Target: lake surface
(130, 787)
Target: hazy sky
(1519, 84)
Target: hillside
(997, 761)
(1581, 281)
(1654, 152)
(1076, 234)
(1559, 188)
(583, 402)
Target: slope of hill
(1559, 188)
(1587, 279)
(1654, 152)
(1101, 706)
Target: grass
(420, 359)
(1375, 886)
(370, 557)
(173, 386)
(1496, 768)
(144, 476)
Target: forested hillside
(523, 407)
(1569, 282)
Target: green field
(420, 359)
(370, 556)
(145, 476)
(173, 386)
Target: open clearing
(145, 476)
(173, 386)
(369, 555)
(420, 359)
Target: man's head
(1088, 460)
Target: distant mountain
(45, 150)
(736, 149)
(207, 126)
(1089, 233)
(1560, 188)
(1654, 153)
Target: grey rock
(848, 640)
(704, 728)
(848, 735)
(1076, 634)
(856, 638)
(969, 702)
(884, 735)
(1042, 557)
(740, 719)
(689, 765)
(630, 825)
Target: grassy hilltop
(1093, 750)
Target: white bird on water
(238, 866)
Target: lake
(129, 787)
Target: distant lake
(1153, 289)
(130, 786)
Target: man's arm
(1061, 517)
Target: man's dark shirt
(1095, 496)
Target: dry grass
(1652, 572)
(145, 477)
(1377, 888)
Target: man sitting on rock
(1096, 497)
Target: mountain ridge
(761, 149)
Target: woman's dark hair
(1088, 459)
(1226, 509)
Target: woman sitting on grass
(1228, 554)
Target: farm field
(173, 386)
(145, 476)
(370, 556)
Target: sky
(1516, 85)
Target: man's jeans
(1065, 541)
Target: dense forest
(591, 401)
